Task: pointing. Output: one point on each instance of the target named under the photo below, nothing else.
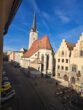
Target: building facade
(16, 56)
(40, 52)
(76, 64)
(69, 63)
(62, 57)
(33, 33)
(39, 56)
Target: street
(37, 93)
(26, 97)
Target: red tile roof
(42, 43)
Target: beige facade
(16, 55)
(76, 63)
(62, 57)
(69, 63)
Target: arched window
(65, 77)
(47, 62)
(42, 65)
(62, 53)
(42, 58)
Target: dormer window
(62, 53)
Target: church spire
(34, 27)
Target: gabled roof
(42, 43)
(23, 50)
(70, 45)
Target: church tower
(33, 33)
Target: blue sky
(59, 19)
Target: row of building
(65, 64)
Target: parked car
(5, 86)
(6, 91)
(7, 95)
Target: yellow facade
(76, 62)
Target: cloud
(7, 48)
(46, 16)
(34, 5)
(62, 16)
(18, 28)
(72, 34)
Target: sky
(59, 19)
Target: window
(47, 62)
(62, 53)
(38, 68)
(42, 58)
(81, 53)
(65, 77)
(58, 67)
(66, 68)
(66, 60)
(58, 60)
(72, 80)
(74, 68)
(58, 74)
(62, 60)
(42, 67)
(38, 54)
(62, 67)
(78, 79)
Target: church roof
(70, 45)
(42, 43)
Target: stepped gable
(70, 45)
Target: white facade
(32, 37)
(46, 66)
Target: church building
(40, 52)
